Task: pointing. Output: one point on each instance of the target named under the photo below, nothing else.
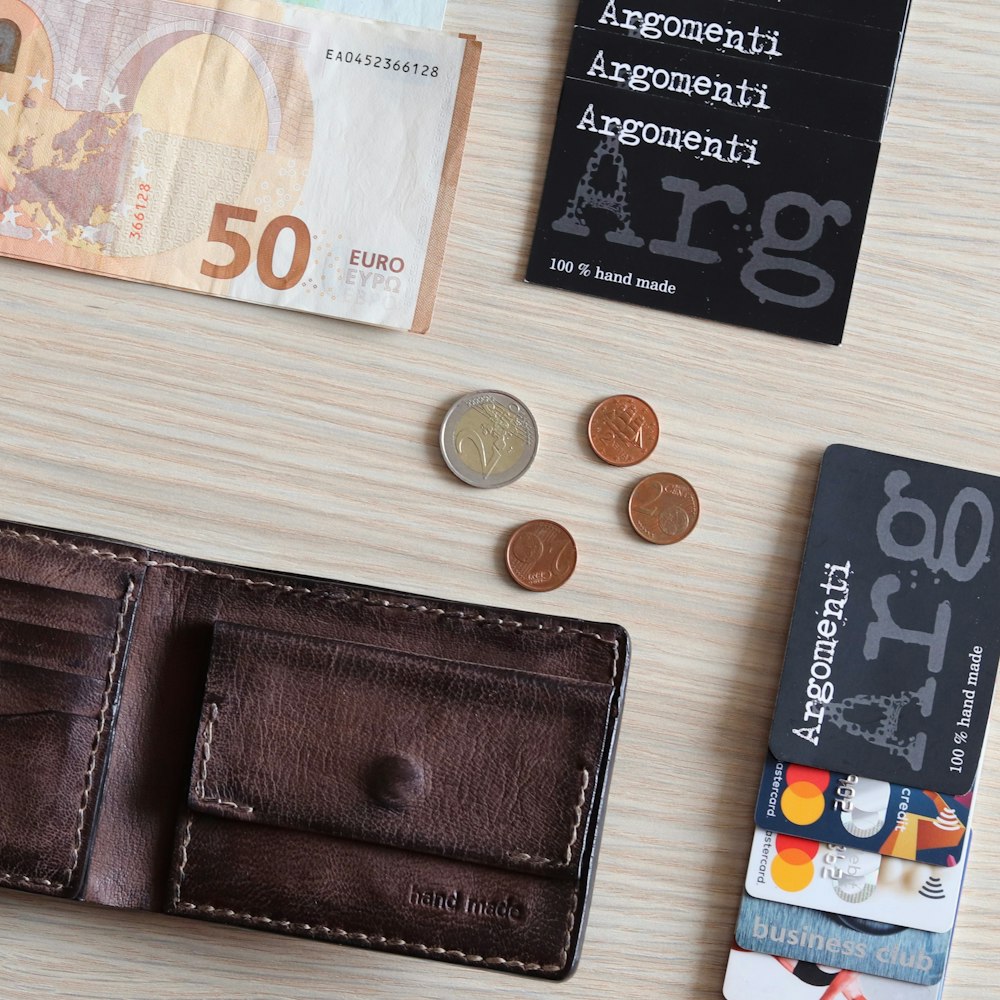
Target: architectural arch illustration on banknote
(10, 45)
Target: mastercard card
(751, 975)
(852, 883)
(862, 813)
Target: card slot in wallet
(33, 604)
(26, 689)
(389, 798)
(58, 700)
(49, 648)
(44, 777)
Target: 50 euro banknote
(255, 151)
(422, 13)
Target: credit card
(853, 883)
(837, 808)
(842, 942)
(754, 976)
(893, 645)
(758, 90)
(754, 34)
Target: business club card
(829, 806)
(839, 941)
(755, 976)
(846, 881)
(893, 646)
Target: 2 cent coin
(541, 555)
(663, 508)
(623, 430)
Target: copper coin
(623, 430)
(663, 508)
(541, 555)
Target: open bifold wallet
(301, 755)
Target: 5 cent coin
(663, 508)
(541, 555)
(489, 438)
(623, 430)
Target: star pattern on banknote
(37, 82)
(140, 172)
(6, 104)
(113, 99)
(78, 80)
(45, 235)
(90, 233)
(10, 216)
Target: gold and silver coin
(489, 438)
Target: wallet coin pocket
(61, 661)
(391, 799)
(459, 760)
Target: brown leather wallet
(301, 755)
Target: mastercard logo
(802, 801)
(792, 867)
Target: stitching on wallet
(88, 780)
(570, 924)
(183, 860)
(206, 756)
(381, 939)
(573, 834)
(109, 555)
(341, 934)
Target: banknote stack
(287, 154)
(864, 812)
(716, 157)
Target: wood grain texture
(273, 439)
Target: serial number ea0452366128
(382, 62)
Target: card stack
(864, 811)
(716, 157)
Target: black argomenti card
(702, 211)
(757, 34)
(890, 14)
(759, 90)
(892, 651)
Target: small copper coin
(663, 508)
(541, 555)
(623, 430)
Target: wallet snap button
(395, 781)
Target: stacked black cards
(716, 157)
(864, 811)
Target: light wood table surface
(293, 443)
